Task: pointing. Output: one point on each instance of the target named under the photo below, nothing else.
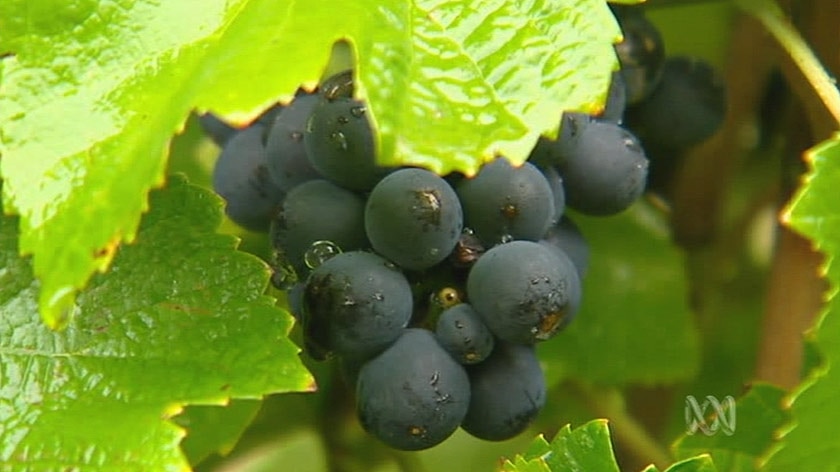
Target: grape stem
(609, 403)
(769, 14)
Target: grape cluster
(431, 291)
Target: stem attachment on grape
(769, 14)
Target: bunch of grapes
(431, 291)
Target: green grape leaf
(215, 429)
(93, 91)
(702, 463)
(180, 319)
(634, 301)
(812, 442)
(757, 415)
(587, 447)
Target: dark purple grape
(555, 181)
(463, 334)
(287, 160)
(356, 304)
(685, 109)
(316, 212)
(603, 165)
(339, 143)
(566, 237)
(523, 291)
(508, 391)
(504, 202)
(641, 53)
(413, 217)
(414, 395)
(241, 178)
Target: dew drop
(343, 120)
(358, 112)
(632, 145)
(339, 139)
(506, 238)
(296, 135)
(320, 252)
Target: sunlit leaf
(93, 90)
(812, 443)
(180, 319)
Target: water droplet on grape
(343, 120)
(632, 145)
(340, 140)
(320, 252)
(358, 112)
(338, 86)
(296, 135)
(506, 238)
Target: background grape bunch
(433, 290)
